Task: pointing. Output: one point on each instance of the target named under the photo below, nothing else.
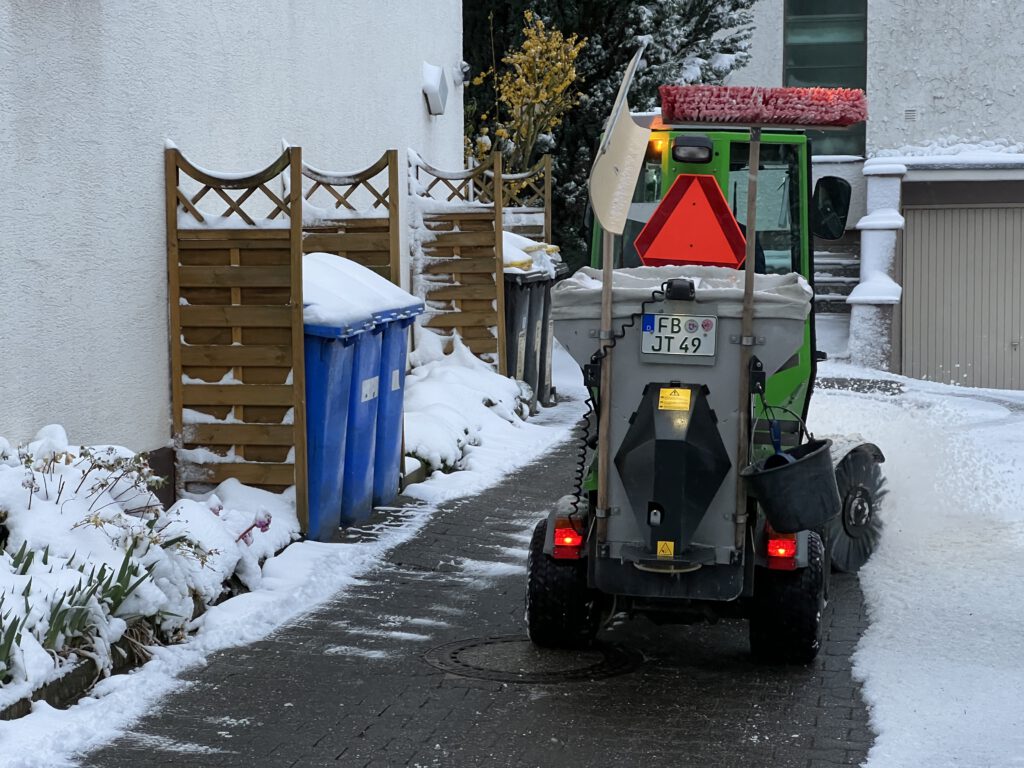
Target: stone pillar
(874, 299)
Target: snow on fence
(235, 293)
(362, 220)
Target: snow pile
(339, 292)
(88, 549)
(940, 659)
(452, 399)
(521, 254)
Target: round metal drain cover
(514, 659)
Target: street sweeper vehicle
(708, 496)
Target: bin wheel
(561, 610)
(785, 624)
(855, 531)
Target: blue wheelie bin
(387, 467)
(330, 354)
(357, 486)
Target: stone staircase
(836, 272)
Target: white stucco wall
(765, 67)
(956, 63)
(89, 92)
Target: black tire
(854, 533)
(561, 611)
(785, 624)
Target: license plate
(679, 335)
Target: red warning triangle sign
(692, 225)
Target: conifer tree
(690, 41)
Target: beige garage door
(963, 301)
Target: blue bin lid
(399, 313)
(328, 331)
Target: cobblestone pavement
(348, 685)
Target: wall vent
(910, 115)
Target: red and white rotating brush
(835, 107)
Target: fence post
(499, 259)
(548, 234)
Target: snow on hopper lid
(339, 292)
(835, 107)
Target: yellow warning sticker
(672, 399)
(666, 549)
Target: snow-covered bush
(450, 399)
(88, 549)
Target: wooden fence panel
(235, 300)
(460, 271)
(362, 221)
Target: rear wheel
(561, 610)
(785, 626)
(854, 533)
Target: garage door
(963, 301)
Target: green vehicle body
(789, 388)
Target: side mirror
(829, 207)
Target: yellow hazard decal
(671, 399)
(666, 549)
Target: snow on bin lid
(340, 293)
(781, 296)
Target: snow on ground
(941, 659)
(308, 574)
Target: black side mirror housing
(830, 205)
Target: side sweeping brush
(832, 107)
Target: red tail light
(781, 550)
(568, 542)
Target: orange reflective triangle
(692, 225)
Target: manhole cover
(514, 659)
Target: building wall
(88, 94)
(765, 67)
(955, 63)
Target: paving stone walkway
(348, 685)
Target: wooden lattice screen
(527, 201)
(362, 222)
(235, 291)
(461, 267)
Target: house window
(826, 45)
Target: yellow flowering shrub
(533, 91)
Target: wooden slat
(226, 317)
(346, 241)
(250, 474)
(236, 355)
(472, 214)
(459, 266)
(249, 245)
(238, 394)
(462, 319)
(235, 234)
(243, 277)
(484, 237)
(462, 292)
(238, 434)
(481, 346)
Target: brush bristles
(837, 107)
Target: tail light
(568, 541)
(782, 550)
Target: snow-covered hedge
(451, 399)
(88, 551)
